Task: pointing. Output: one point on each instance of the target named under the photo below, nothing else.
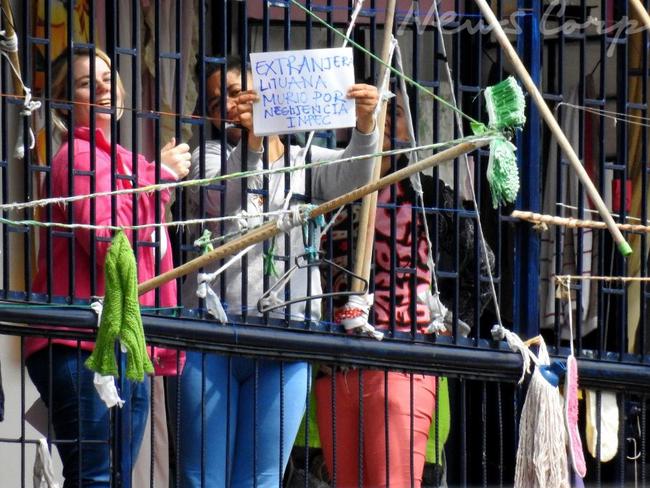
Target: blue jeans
(78, 413)
(256, 409)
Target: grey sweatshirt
(326, 183)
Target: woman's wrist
(366, 126)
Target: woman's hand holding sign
(366, 98)
(245, 101)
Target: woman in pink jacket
(83, 165)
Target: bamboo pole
(16, 277)
(13, 56)
(537, 218)
(271, 229)
(622, 245)
(640, 10)
(363, 253)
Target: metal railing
(592, 74)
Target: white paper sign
(302, 90)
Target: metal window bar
(470, 56)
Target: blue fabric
(239, 399)
(76, 407)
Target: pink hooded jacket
(165, 361)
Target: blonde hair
(61, 71)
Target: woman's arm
(331, 181)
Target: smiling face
(233, 88)
(102, 96)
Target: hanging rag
(121, 316)
(212, 301)
(541, 454)
(105, 385)
(605, 434)
(43, 470)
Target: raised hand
(366, 98)
(245, 102)
(176, 158)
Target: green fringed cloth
(121, 318)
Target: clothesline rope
(230, 176)
(111, 108)
(592, 211)
(179, 223)
(396, 72)
(608, 114)
(198, 182)
(188, 222)
(484, 246)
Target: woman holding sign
(241, 416)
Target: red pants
(388, 398)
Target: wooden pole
(13, 56)
(366, 237)
(537, 218)
(641, 12)
(270, 229)
(623, 247)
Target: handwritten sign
(302, 90)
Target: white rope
(204, 289)
(353, 20)
(231, 176)
(302, 154)
(240, 218)
(294, 217)
(10, 45)
(608, 114)
(499, 333)
(356, 311)
(417, 187)
(212, 301)
(459, 124)
(384, 84)
(210, 277)
(588, 210)
(437, 312)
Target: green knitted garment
(121, 316)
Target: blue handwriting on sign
(301, 65)
(292, 88)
